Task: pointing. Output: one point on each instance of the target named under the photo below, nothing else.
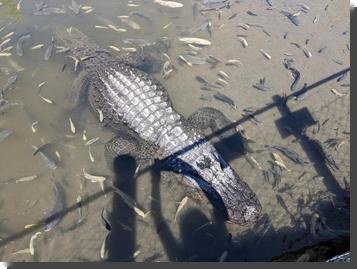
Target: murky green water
(304, 208)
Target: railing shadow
(95, 196)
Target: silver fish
(59, 205)
(11, 81)
(5, 134)
(48, 52)
(224, 98)
(49, 161)
(20, 44)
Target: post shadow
(121, 239)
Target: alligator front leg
(229, 142)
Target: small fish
(105, 221)
(4, 43)
(251, 13)
(291, 154)
(101, 117)
(181, 205)
(75, 7)
(26, 179)
(223, 256)
(270, 2)
(114, 48)
(18, 6)
(129, 49)
(49, 162)
(233, 62)
(32, 243)
(281, 202)
(279, 161)
(225, 99)
(335, 92)
(22, 251)
(131, 23)
(39, 46)
(243, 41)
(266, 55)
(195, 41)
(264, 31)
(116, 28)
(100, 27)
(47, 100)
(84, 135)
(293, 19)
(232, 16)
(243, 25)
(94, 178)
(5, 54)
(34, 126)
(5, 134)
(170, 4)
(10, 82)
(255, 162)
(20, 43)
(92, 141)
(48, 52)
(130, 202)
(58, 155)
(90, 155)
(184, 60)
(103, 250)
(223, 74)
(167, 26)
(54, 217)
(72, 126)
(41, 84)
(7, 35)
(307, 53)
(315, 20)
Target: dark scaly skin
(126, 95)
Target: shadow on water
(254, 245)
(201, 239)
(122, 218)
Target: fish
(195, 41)
(49, 101)
(134, 13)
(224, 98)
(293, 19)
(8, 35)
(8, 85)
(243, 41)
(281, 202)
(22, 251)
(90, 155)
(243, 25)
(130, 202)
(116, 28)
(38, 46)
(291, 154)
(26, 179)
(223, 74)
(50, 163)
(4, 43)
(232, 16)
(279, 161)
(5, 54)
(55, 215)
(129, 49)
(105, 221)
(100, 27)
(103, 250)
(251, 13)
(131, 23)
(276, 170)
(72, 126)
(315, 20)
(233, 62)
(335, 143)
(114, 48)
(170, 4)
(269, 2)
(75, 7)
(32, 242)
(335, 92)
(48, 52)
(94, 178)
(20, 43)
(266, 55)
(223, 256)
(183, 59)
(92, 141)
(307, 53)
(181, 205)
(195, 60)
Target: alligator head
(223, 187)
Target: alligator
(138, 107)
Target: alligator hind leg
(230, 142)
(78, 93)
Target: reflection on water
(242, 70)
